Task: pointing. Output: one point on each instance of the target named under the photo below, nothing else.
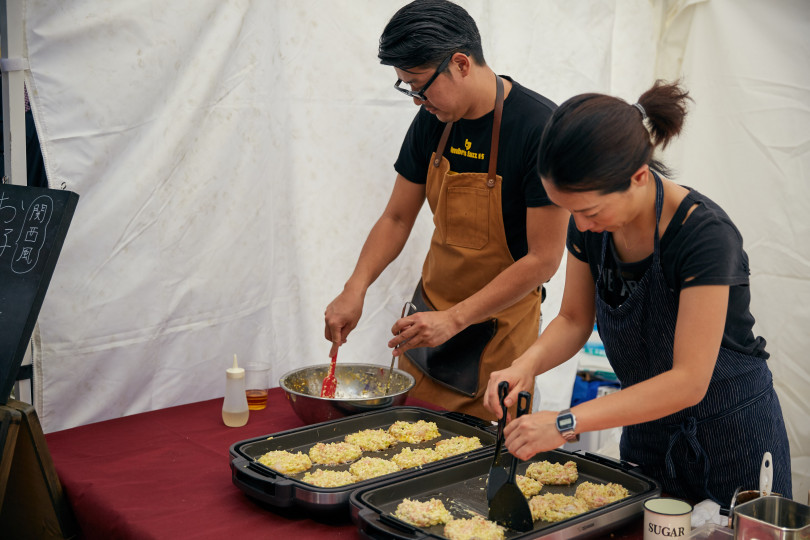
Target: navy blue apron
(708, 450)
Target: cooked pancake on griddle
(475, 528)
(597, 495)
(556, 507)
(371, 467)
(553, 474)
(285, 462)
(414, 432)
(423, 514)
(371, 440)
(329, 478)
(410, 457)
(334, 453)
(457, 445)
(528, 486)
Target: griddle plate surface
(336, 431)
(284, 490)
(462, 489)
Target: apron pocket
(467, 217)
(456, 362)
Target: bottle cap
(235, 372)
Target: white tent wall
(232, 156)
(747, 146)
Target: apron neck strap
(437, 160)
(496, 131)
(659, 205)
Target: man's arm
(383, 245)
(545, 232)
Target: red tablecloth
(166, 474)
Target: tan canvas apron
(467, 251)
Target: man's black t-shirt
(703, 249)
(524, 116)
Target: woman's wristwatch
(566, 424)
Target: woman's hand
(526, 436)
(519, 378)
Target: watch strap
(568, 434)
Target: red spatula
(329, 383)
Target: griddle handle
(372, 522)
(469, 419)
(621, 464)
(274, 489)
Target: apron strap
(496, 132)
(688, 430)
(659, 206)
(442, 143)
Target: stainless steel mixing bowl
(360, 388)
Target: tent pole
(13, 65)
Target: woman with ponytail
(662, 269)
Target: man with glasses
(471, 151)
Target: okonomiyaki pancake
(329, 478)
(553, 474)
(597, 495)
(371, 467)
(475, 528)
(457, 445)
(285, 462)
(556, 507)
(414, 432)
(423, 513)
(410, 457)
(334, 453)
(528, 486)
(371, 440)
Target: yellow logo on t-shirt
(466, 151)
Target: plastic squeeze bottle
(235, 407)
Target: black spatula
(509, 506)
(497, 471)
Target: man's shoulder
(526, 97)
(526, 110)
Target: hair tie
(641, 110)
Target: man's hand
(423, 329)
(341, 317)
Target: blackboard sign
(33, 225)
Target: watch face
(565, 422)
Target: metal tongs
(406, 310)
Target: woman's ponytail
(665, 105)
(597, 142)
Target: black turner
(498, 475)
(509, 506)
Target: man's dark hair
(425, 32)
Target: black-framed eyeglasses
(420, 94)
